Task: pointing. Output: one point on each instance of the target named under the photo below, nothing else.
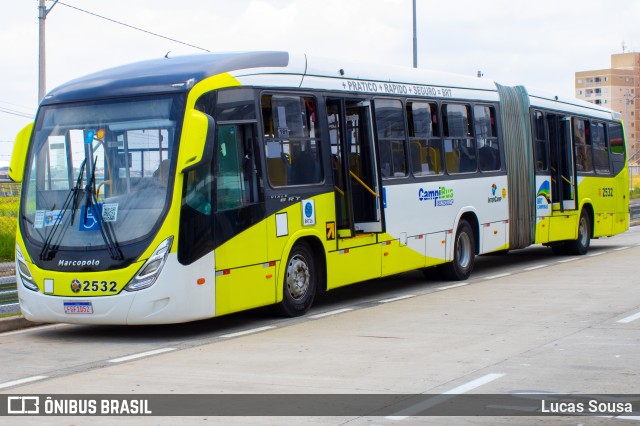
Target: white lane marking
(475, 383)
(21, 381)
(492, 277)
(326, 314)
(533, 268)
(251, 331)
(432, 402)
(571, 259)
(142, 355)
(453, 286)
(621, 248)
(629, 318)
(395, 299)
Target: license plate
(78, 308)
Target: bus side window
(391, 138)
(237, 168)
(540, 142)
(582, 145)
(460, 146)
(425, 144)
(600, 149)
(616, 147)
(292, 142)
(487, 137)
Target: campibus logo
(442, 196)
(75, 286)
(494, 198)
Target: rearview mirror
(19, 156)
(197, 141)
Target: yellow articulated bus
(185, 188)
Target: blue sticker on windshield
(89, 222)
(88, 137)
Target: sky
(538, 43)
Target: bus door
(355, 168)
(563, 223)
(357, 193)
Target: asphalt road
(525, 322)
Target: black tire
(464, 254)
(580, 246)
(300, 281)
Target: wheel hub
(463, 250)
(298, 277)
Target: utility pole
(415, 37)
(42, 62)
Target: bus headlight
(148, 274)
(25, 274)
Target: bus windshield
(99, 173)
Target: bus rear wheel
(300, 281)
(581, 245)
(464, 254)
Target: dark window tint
(459, 145)
(292, 143)
(391, 138)
(582, 145)
(540, 142)
(616, 140)
(600, 149)
(237, 171)
(235, 105)
(425, 145)
(487, 138)
(616, 148)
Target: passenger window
(616, 140)
(540, 142)
(487, 137)
(616, 148)
(459, 145)
(391, 138)
(425, 144)
(582, 145)
(292, 143)
(237, 167)
(600, 149)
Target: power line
(131, 26)
(17, 105)
(14, 112)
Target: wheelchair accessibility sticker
(88, 219)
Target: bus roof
(168, 74)
(179, 74)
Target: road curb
(16, 323)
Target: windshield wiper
(106, 229)
(49, 250)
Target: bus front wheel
(300, 281)
(464, 254)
